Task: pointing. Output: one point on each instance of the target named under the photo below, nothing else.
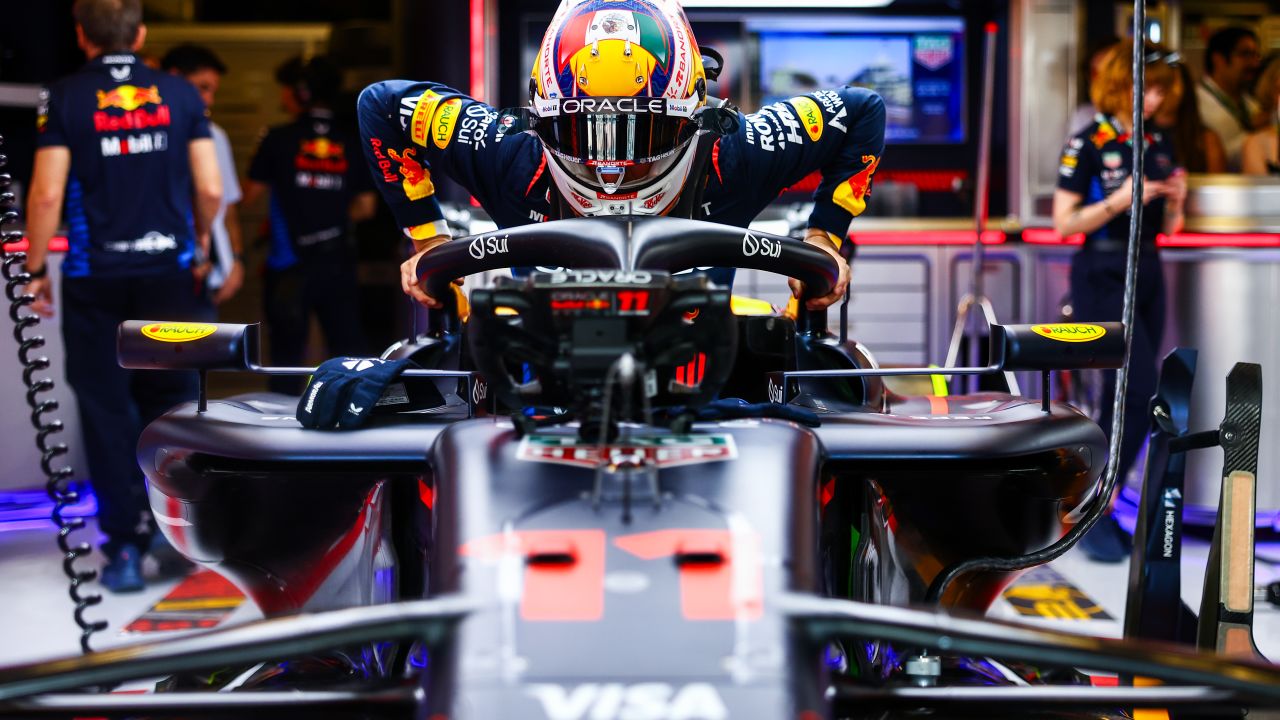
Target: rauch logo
(178, 332)
(1070, 332)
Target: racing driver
(619, 123)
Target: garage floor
(35, 613)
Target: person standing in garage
(319, 186)
(1232, 60)
(201, 67)
(1093, 197)
(126, 149)
(1260, 156)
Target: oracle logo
(607, 105)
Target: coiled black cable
(1102, 500)
(15, 280)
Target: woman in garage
(1093, 197)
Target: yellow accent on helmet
(599, 49)
(612, 68)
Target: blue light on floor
(28, 509)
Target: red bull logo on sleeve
(852, 194)
(384, 163)
(133, 101)
(417, 179)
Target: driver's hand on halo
(818, 238)
(409, 271)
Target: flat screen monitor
(916, 64)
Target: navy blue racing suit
(131, 245)
(411, 131)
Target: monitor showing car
(916, 64)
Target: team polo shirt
(1097, 161)
(314, 169)
(129, 191)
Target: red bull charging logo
(321, 155)
(133, 101)
(128, 97)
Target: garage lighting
(773, 4)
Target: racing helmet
(613, 93)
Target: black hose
(1100, 501)
(56, 485)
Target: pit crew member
(127, 150)
(1093, 197)
(318, 189)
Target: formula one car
(567, 518)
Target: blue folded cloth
(343, 391)
(735, 408)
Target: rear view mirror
(1058, 346)
(151, 345)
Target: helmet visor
(594, 131)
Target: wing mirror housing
(160, 345)
(1058, 346)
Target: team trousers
(325, 287)
(115, 404)
(1097, 295)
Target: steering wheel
(649, 243)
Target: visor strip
(631, 136)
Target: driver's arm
(413, 132)
(409, 270)
(838, 134)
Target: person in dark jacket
(318, 188)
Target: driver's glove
(343, 391)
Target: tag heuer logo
(934, 51)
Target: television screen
(915, 64)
